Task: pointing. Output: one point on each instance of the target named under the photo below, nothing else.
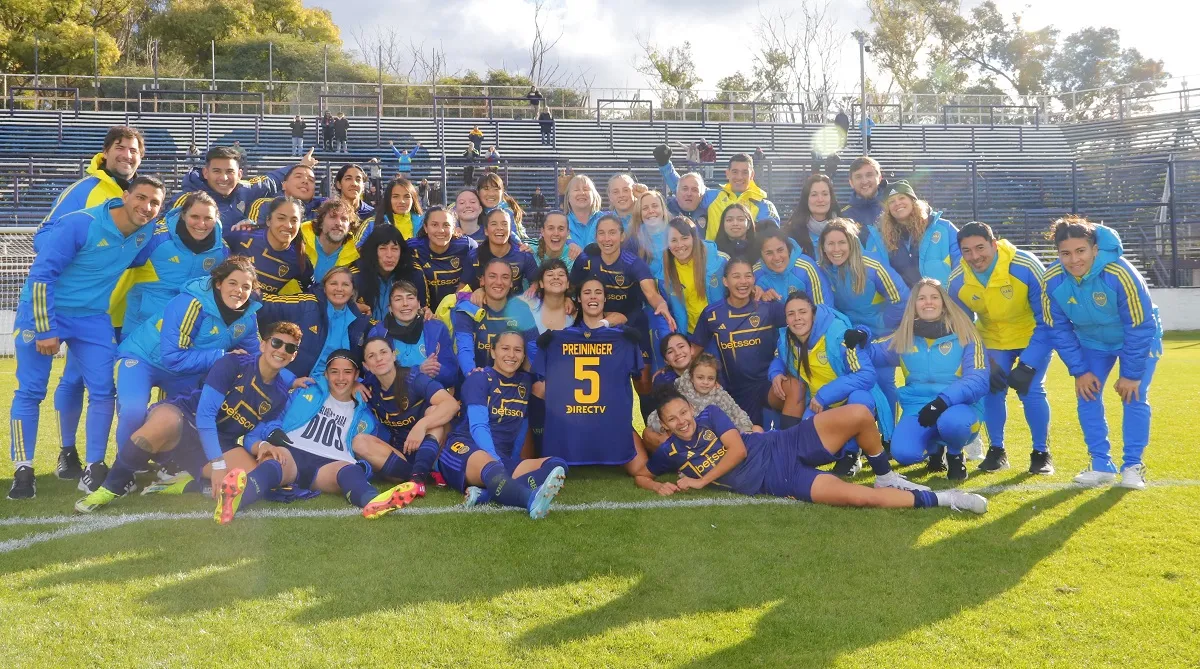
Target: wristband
(218, 465)
(604, 323)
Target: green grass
(1052, 575)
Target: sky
(600, 37)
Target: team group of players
(302, 344)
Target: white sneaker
(894, 479)
(1091, 478)
(973, 452)
(964, 501)
(1133, 477)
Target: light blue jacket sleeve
(670, 176)
(59, 249)
(206, 421)
(972, 385)
(860, 376)
(1137, 318)
(881, 354)
(481, 429)
(176, 344)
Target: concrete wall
(1179, 308)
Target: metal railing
(735, 107)
(201, 94)
(991, 112)
(632, 104)
(12, 96)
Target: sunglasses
(288, 347)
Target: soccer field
(617, 577)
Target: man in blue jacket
(870, 191)
(65, 299)
(221, 178)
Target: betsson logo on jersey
(740, 344)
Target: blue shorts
(307, 466)
(188, 453)
(752, 399)
(452, 462)
(795, 455)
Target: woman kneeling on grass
(707, 449)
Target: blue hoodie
(880, 306)
(853, 368)
(435, 338)
(800, 274)
(714, 270)
(235, 207)
(1109, 309)
(935, 368)
(935, 257)
(164, 266)
(311, 311)
(304, 403)
(189, 335)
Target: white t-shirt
(325, 434)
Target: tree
(1093, 59)
(800, 54)
(670, 72)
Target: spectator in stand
(404, 159)
(298, 127)
(564, 178)
(867, 129)
(470, 155)
(242, 155)
(423, 193)
(375, 170)
(546, 121)
(327, 122)
(537, 204)
(341, 130)
(193, 155)
(535, 98)
(693, 155)
(437, 194)
(760, 156)
(708, 156)
(476, 137)
(493, 156)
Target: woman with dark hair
(399, 208)
(328, 316)
(468, 209)
(737, 238)
(443, 254)
(502, 245)
(385, 258)
(277, 249)
(784, 269)
(817, 206)
(493, 196)
(1100, 312)
(476, 327)
(555, 240)
(349, 185)
(420, 343)
(692, 268)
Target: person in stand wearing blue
(413, 412)
(817, 367)
(404, 158)
(420, 344)
(864, 289)
(692, 268)
(386, 258)
(317, 444)
(66, 299)
(740, 188)
(327, 314)
(399, 208)
(1099, 310)
(1002, 286)
(203, 431)
(213, 315)
(501, 245)
(482, 456)
(781, 273)
(477, 327)
(743, 332)
(919, 242)
(583, 209)
(946, 378)
(221, 179)
(186, 244)
(277, 250)
(443, 254)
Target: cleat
(956, 470)
(974, 450)
(1133, 477)
(230, 497)
(539, 506)
(1091, 478)
(847, 466)
(996, 460)
(93, 476)
(1040, 462)
(967, 501)
(438, 479)
(936, 463)
(168, 474)
(68, 468)
(475, 496)
(95, 500)
(419, 491)
(894, 479)
(390, 500)
(174, 486)
(24, 485)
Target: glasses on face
(287, 346)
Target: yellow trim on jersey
(852, 359)
(189, 321)
(889, 286)
(1132, 298)
(814, 280)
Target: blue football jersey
(445, 270)
(399, 414)
(507, 402)
(589, 395)
(695, 457)
(622, 280)
(249, 400)
(745, 338)
(275, 269)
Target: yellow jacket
(346, 256)
(754, 198)
(1009, 307)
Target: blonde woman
(647, 232)
(919, 243)
(869, 293)
(946, 379)
(583, 209)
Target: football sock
(788, 421)
(927, 499)
(539, 475)
(355, 486)
(879, 463)
(265, 476)
(130, 459)
(503, 489)
(395, 467)
(423, 461)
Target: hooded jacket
(310, 312)
(235, 207)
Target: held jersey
(695, 457)
(589, 399)
(325, 434)
(745, 338)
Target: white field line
(86, 524)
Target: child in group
(699, 387)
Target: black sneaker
(937, 461)
(995, 460)
(23, 486)
(956, 470)
(1040, 462)
(847, 466)
(68, 468)
(93, 475)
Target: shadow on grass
(843, 579)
